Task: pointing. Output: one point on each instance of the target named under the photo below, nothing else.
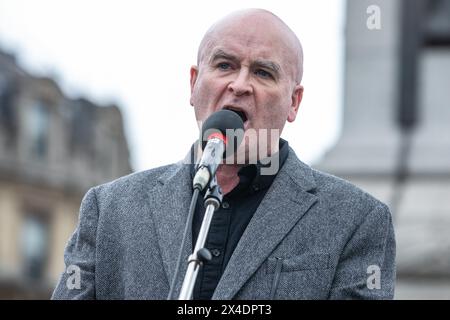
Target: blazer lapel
(284, 204)
(172, 198)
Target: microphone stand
(201, 255)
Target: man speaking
(283, 230)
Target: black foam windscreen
(229, 124)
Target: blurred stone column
(395, 140)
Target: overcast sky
(137, 54)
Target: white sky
(137, 54)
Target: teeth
(239, 113)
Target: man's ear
(297, 96)
(193, 79)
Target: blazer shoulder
(337, 191)
(135, 183)
(332, 191)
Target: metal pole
(213, 199)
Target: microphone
(216, 144)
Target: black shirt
(230, 220)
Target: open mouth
(240, 113)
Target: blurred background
(91, 90)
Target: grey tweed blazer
(314, 236)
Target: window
(34, 246)
(37, 126)
(7, 112)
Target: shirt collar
(251, 175)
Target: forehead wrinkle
(293, 51)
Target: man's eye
(224, 66)
(263, 73)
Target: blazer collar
(173, 196)
(287, 200)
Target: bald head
(250, 21)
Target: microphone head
(225, 123)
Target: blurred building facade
(395, 141)
(52, 150)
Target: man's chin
(246, 154)
(256, 144)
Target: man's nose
(241, 85)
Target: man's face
(248, 67)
